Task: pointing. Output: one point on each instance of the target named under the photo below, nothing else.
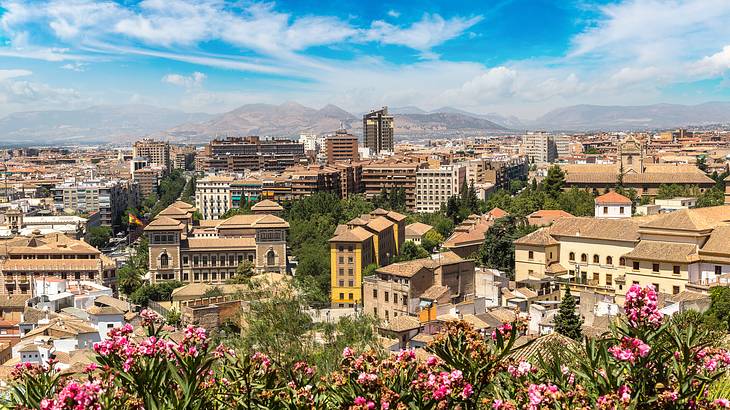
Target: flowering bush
(645, 363)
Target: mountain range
(123, 123)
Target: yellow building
(686, 249)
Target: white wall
(613, 211)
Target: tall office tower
(377, 130)
(341, 147)
(156, 152)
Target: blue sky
(513, 57)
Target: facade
(310, 179)
(401, 288)
(212, 251)
(373, 238)
(341, 147)
(540, 147)
(25, 260)
(390, 175)
(613, 205)
(497, 172)
(434, 187)
(183, 157)
(377, 131)
(240, 154)
(156, 152)
(677, 251)
(147, 180)
(108, 197)
(213, 195)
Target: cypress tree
(567, 322)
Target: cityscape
(351, 207)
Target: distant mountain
(102, 123)
(442, 121)
(406, 110)
(594, 117)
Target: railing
(156, 307)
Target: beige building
(377, 129)
(676, 251)
(213, 195)
(341, 147)
(156, 152)
(211, 250)
(434, 186)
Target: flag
(133, 220)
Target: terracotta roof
(380, 224)
(51, 265)
(663, 251)
(106, 310)
(540, 237)
(379, 212)
(549, 213)
(497, 213)
(402, 323)
(356, 234)
(267, 205)
(359, 221)
(409, 268)
(719, 241)
(417, 229)
(624, 229)
(688, 296)
(70, 327)
(395, 216)
(253, 221)
(469, 233)
(683, 219)
(172, 210)
(110, 301)
(555, 268)
(434, 292)
(164, 223)
(13, 301)
(612, 198)
(543, 345)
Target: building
(544, 217)
(147, 180)
(675, 204)
(213, 195)
(540, 147)
(307, 180)
(240, 154)
(211, 250)
(183, 157)
(156, 152)
(53, 256)
(677, 251)
(267, 207)
(613, 205)
(377, 131)
(341, 147)
(468, 237)
(373, 238)
(401, 289)
(497, 172)
(379, 176)
(434, 186)
(416, 231)
(108, 197)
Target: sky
(512, 57)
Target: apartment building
(240, 154)
(23, 260)
(370, 238)
(680, 250)
(108, 197)
(183, 157)
(388, 175)
(213, 195)
(310, 179)
(400, 289)
(211, 250)
(156, 152)
(377, 129)
(147, 180)
(434, 186)
(341, 147)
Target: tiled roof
(253, 221)
(663, 251)
(110, 301)
(540, 237)
(402, 323)
(434, 292)
(38, 265)
(596, 228)
(612, 198)
(267, 205)
(549, 213)
(544, 345)
(393, 215)
(497, 213)
(356, 234)
(380, 224)
(719, 241)
(407, 269)
(164, 223)
(417, 229)
(683, 219)
(13, 301)
(106, 310)
(221, 243)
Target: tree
(567, 321)
(554, 181)
(411, 251)
(702, 163)
(157, 292)
(173, 318)
(370, 270)
(720, 305)
(215, 291)
(99, 236)
(578, 202)
(128, 279)
(244, 272)
(431, 240)
(498, 249)
(711, 197)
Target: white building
(675, 204)
(105, 319)
(213, 195)
(613, 206)
(435, 186)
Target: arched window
(164, 260)
(584, 257)
(596, 259)
(271, 258)
(609, 260)
(622, 261)
(571, 256)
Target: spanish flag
(133, 220)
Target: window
(718, 270)
(584, 257)
(271, 258)
(341, 271)
(609, 260)
(395, 298)
(386, 296)
(609, 279)
(636, 265)
(342, 295)
(350, 283)
(342, 259)
(675, 269)
(375, 312)
(596, 259)
(636, 282)
(342, 282)
(164, 260)
(655, 267)
(605, 209)
(656, 286)
(349, 272)
(349, 296)
(375, 293)
(350, 259)
(530, 255)
(596, 277)
(571, 256)
(621, 210)
(675, 290)
(405, 300)
(622, 262)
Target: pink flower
(497, 404)
(432, 361)
(468, 390)
(347, 352)
(629, 349)
(504, 329)
(359, 401)
(641, 307)
(75, 396)
(624, 393)
(724, 403)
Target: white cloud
(192, 81)
(714, 64)
(75, 66)
(20, 94)
(493, 84)
(394, 13)
(8, 74)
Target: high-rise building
(213, 195)
(377, 130)
(236, 154)
(539, 147)
(156, 152)
(108, 197)
(434, 186)
(183, 157)
(389, 176)
(341, 147)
